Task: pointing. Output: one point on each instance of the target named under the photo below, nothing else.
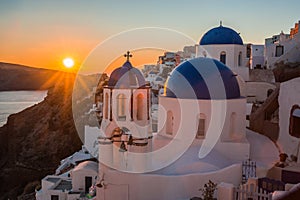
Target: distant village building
(148, 68)
(283, 48)
(189, 52)
(257, 56)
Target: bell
(130, 141)
(122, 147)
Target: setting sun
(68, 62)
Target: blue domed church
(201, 133)
(226, 45)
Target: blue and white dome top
(221, 35)
(202, 78)
(126, 76)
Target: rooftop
(64, 185)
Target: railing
(250, 192)
(248, 170)
(270, 185)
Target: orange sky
(139, 59)
(51, 52)
(42, 33)
(55, 48)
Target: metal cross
(128, 55)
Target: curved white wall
(181, 111)
(289, 95)
(152, 186)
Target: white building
(257, 56)
(71, 185)
(289, 117)
(226, 45)
(155, 80)
(72, 179)
(151, 76)
(283, 48)
(84, 175)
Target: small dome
(202, 78)
(126, 76)
(221, 35)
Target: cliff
(286, 71)
(33, 142)
(20, 77)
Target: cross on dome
(128, 55)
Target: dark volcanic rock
(19, 77)
(286, 71)
(33, 142)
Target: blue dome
(221, 35)
(202, 78)
(126, 76)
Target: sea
(16, 101)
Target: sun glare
(68, 62)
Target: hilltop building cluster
(204, 98)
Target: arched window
(201, 126)
(240, 59)
(269, 92)
(232, 128)
(223, 57)
(139, 103)
(294, 127)
(121, 107)
(106, 101)
(170, 118)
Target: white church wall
(155, 186)
(178, 108)
(144, 110)
(289, 95)
(135, 117)
(235, 121)
(115, 94)
(140, 128)
(232, 56)
(232, 53)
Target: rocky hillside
(286, 71)
(33, 142)
(19, 77)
